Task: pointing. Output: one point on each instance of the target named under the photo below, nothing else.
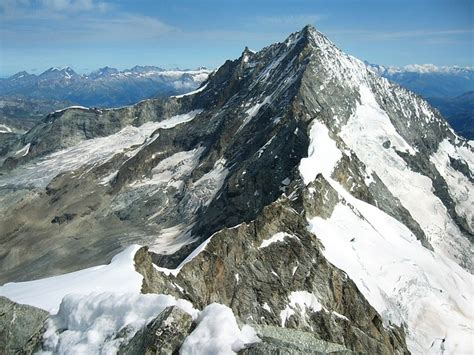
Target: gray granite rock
(258, 281)
(21, 327)
(164, 335)
(277, 340)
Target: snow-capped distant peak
(58, 73)
(420, 69)
(103, 72)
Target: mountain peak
(58, 73)
(309, 30)
(20, 75)
(310, 36)
(102, 72)
(246, 55)
(68, 69)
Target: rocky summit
(296, 202)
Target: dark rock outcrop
(21, 327)
(276, 340)
(164, 335)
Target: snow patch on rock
(23, 151)
(92, 324)
(202, 88)
(323, 154)
(277, 237)
(300, 301)
(5, 129)
(217, 332)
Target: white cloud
(73, 22)
(84, 28)
(12, 10)
(73, 5)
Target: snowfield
(365, 133)
(118, 277)
(406, 283)
(90, 152)
(90, 307)
(317, 163)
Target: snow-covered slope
(96, 310)
(365, 133)
(404, 281)
(90, 152)
(388, 130)
(118, 277)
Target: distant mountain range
(109, 87)
(459, 111)
(429, 80)
(449, 89)
(106, 87)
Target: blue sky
(88, 34)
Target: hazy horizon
(90, 34)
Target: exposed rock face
(68, 127)
(164, 335)
(276, 340)
(283, 283)
(21, 327)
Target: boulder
(164, 335)
(21, 327)
(282, 341)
